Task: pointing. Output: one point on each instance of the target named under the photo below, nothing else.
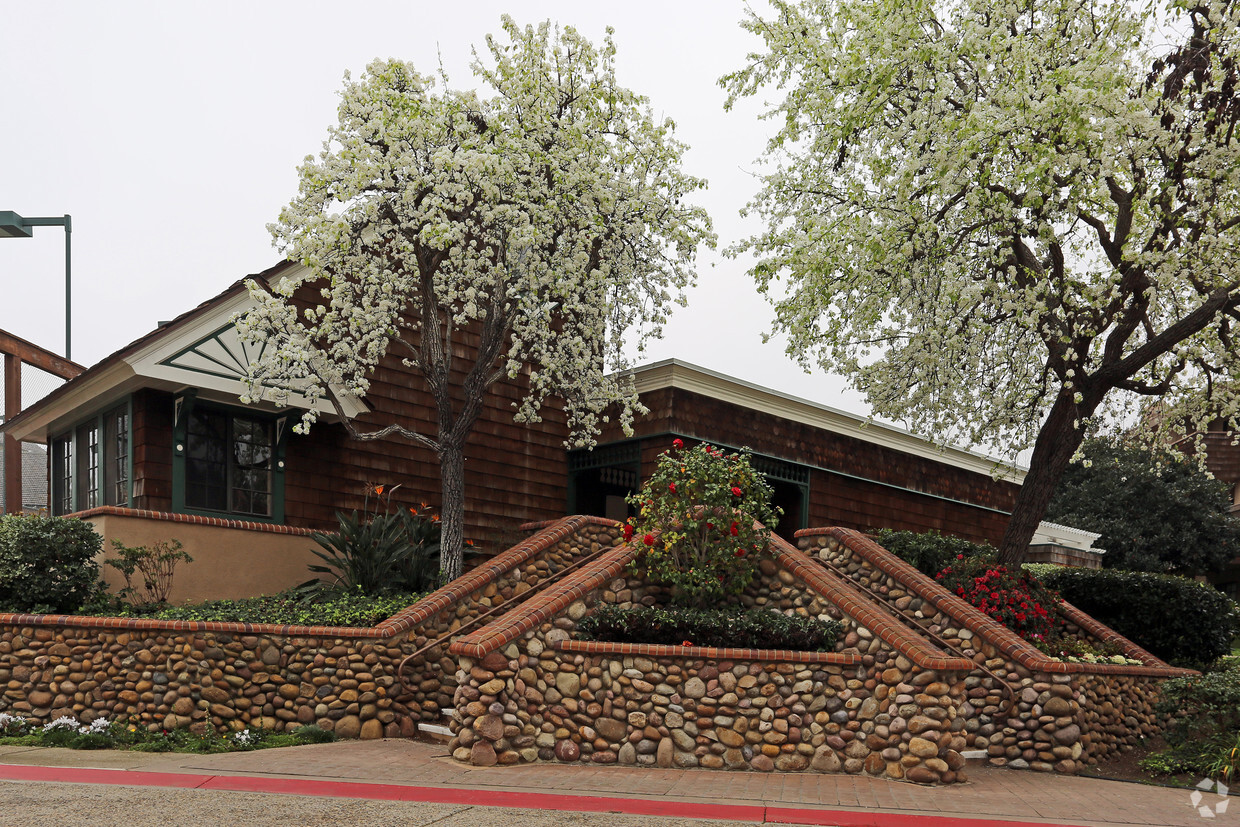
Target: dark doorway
(599, 480)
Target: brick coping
(192, 519)
(432, 604)
(1003, 638)
(551, 603)
(653, 650)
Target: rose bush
(702, 524)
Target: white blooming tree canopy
(540, 225)
(1007, 221)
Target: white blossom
(550, 219)
(983, 210)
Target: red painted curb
(498, 798)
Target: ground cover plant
(100, 733)
(291, 607)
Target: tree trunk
(1057, 442)
(452, 542)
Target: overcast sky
(171, 133)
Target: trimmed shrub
(47, 564)
(1182, 621)
(930, 552)
(677, 626)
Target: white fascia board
(671, 373)
(84, 397)
(1064, 535)
(149, 361)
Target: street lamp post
(13, 225)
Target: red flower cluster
(1018, 601)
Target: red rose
(740, 552)
(648, 539)
(734, 530)
(628, 532)
(672, 488)
(736, 492)
(677, 444)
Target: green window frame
(227, 462)
(92, 462)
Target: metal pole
(14, 225)
(68, 286)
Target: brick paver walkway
(993, 795)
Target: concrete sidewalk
(398, 770)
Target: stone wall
(230, 676)
(1022, 708)
(884, 703)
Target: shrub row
(675, 626)
(930, 552)
(1182, 621)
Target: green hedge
(677, 626)
(930, 552)
(47, 564)
(1182, 621)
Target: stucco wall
(231, 559)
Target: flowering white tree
(1006, 221)
(534, 227)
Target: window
(228, 463)
(90, 464)
(116, 453)
(62, 475)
